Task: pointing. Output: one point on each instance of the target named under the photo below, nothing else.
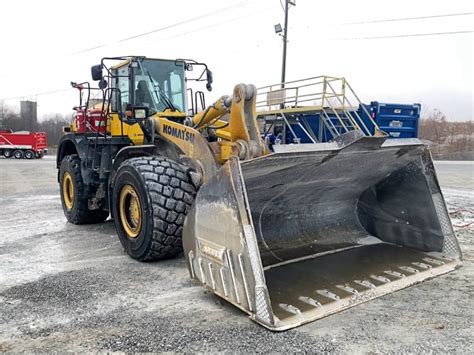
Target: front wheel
(150, 199)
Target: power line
(216, 24)
(37, 94)
(193, 19)
(178, 35)
(185, 21)
(409, 18)
(405, 35)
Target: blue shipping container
(397, 120)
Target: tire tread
(170, 195)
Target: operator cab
(154, 83)
(160, 85)
(131, 89)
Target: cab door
(122, 97)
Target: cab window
(122, 95)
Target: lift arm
(240, 137)
(239, 134)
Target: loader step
(345, 278)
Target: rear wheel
(29, 154)
(151, 197)
(18, 154)
(8, 153)
(75, 194)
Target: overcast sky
(47, 44)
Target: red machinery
(90, 120)
(29, 145)
(86, 118)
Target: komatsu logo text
(178, 133)
(212, 251)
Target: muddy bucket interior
(314, 229)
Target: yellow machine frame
(232, 118)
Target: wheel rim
(68, 190)
(130, 211)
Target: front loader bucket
(316, 228)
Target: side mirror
(96, 71)
(209, 76)
(210, 79)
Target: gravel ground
(72, 288)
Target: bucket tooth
(433, 261)
(347, 288)
(409, 269)
(224, 285)
(201, 270)
(232, 275)
(328, 294)
(211, 274)
(394, 273)
(381, 279)
(365, 283)
(191, 263)
(290, 308)
(310, 301)
(244, 279)
(422, 265)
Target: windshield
(159, 85)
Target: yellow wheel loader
(287, 236)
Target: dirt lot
(72, 288)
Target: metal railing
(332, 97)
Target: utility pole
(285, 41)
(278, 30)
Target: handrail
(364, 108)
(332, 96)
(281, 85)
(354, 123)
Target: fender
(190, 142)
(66, 146)
(130, 152)
(72, 143)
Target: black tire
(18, 154)
(165, 194)
(29, 154)
(8, 153)
(79, 212)
(39, 155)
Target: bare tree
(447, 137)
(435, 127)
(53, 126)
(11, 119)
